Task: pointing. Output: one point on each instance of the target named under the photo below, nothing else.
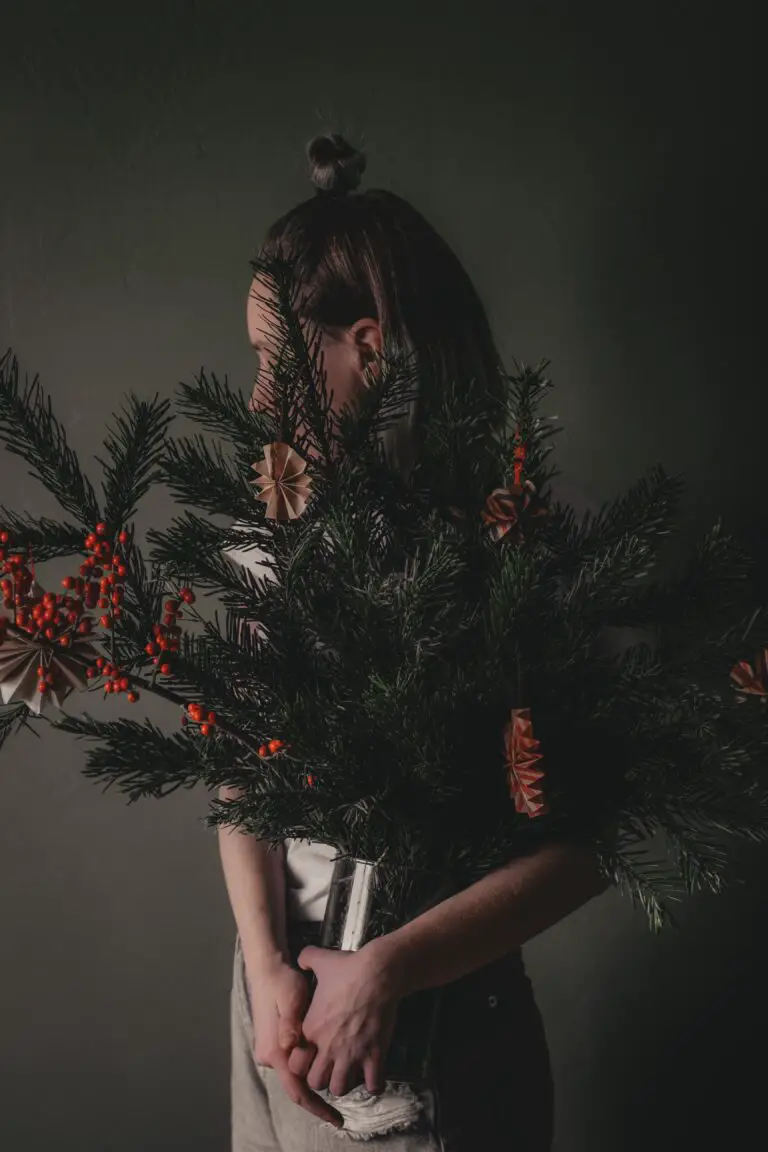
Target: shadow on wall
(663, 1052)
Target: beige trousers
(492, 1091)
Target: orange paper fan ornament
(522, 750)
(508, 509)
(284, 485)
(751, 681)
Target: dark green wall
(593, 164)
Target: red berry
(105, 621)
(42, 687)
(124, 684)
(274, 745)
(100, 662)
(101, 528)
(263, 750)
(150, 649)
(211, 717)
(132, 697)
(65, 641)
(205, 729)
(108, 687)
(40, 670)
(4, 537)
(123, 537)
(187, 595)
(50, 633)
(122, 571)
(84, 627)
(171, 605)
(90, 673)
(165, 669)
(68, 582)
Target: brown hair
(370, 253)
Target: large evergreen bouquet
(422, 679)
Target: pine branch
(31, 431)
(649, 883)
(45, 538)
(143, 761)
(134, 447)
(192, 547)
(199, 474)
(212, 404)
(11, 716)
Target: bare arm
(255, 880)
(492, 917)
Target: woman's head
(376, 277)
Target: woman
(376, 276)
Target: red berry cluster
(271, 747)
(55, 620)
(167, 636)
(197, 714)
(115, 678)
(101, 576)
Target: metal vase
(354, 915)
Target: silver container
(360, 908)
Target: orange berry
(274, 745)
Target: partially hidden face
(346, 351)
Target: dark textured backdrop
(592, 165)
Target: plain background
(592, 165)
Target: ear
(367, 338)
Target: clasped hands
(340, 1038)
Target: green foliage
(387, 635)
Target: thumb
(306, 958)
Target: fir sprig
(133, 448)
(30, 430)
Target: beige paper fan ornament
(284, 485)
(20, 658)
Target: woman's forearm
(255, 880)
(497, 914)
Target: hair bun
(335, 166)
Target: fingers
(298, 1091)
(300, 1060)
(319, 1075)
(344, 1078)
(373, 1071)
